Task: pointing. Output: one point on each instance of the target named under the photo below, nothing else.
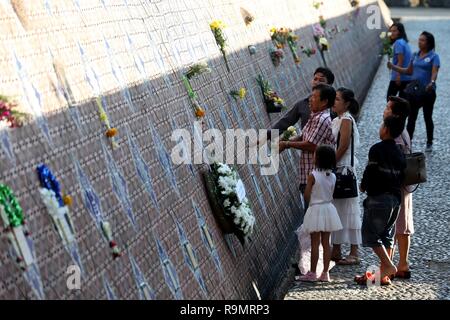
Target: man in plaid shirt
(316, 132)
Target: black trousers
(393, 89)
(428, 104)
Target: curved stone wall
(59, 59)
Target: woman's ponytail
(349, 96)
(354, 107)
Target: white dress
(304, 263)
(321, 214)
(348, 209)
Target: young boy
(382, 180)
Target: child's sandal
(385, 281)
(362, 280)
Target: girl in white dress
(321, 218)
(345, 130)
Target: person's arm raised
(283, 145)
(408, 71)
(398, 79)
(302, 145)
(289, 119)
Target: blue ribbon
(48, 181)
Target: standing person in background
(301, 110)
(402, 57)
(404, 226)
(424, 67)
(382, 180)
(347, 137)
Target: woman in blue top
(424, 68)
(402, 57)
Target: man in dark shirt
(301, 109)
(382, 180)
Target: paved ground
(430, 251)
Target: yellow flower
(217, 24)
(200, 113)
(67, 200)
(111, 132)
(278, 100)
(214, 25)
(242, 92)
(273, 30)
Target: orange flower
(111, 132)
(200, 113)
(67, 200)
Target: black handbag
(346, 184)
(415, 91)
(416, 170)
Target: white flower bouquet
(230, 205)
(288, 134)
(387, 49)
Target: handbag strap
(353, 148)
(406, 144)
(407, 191)
(352, 161)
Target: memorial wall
(91, 92)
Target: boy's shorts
(378, 226)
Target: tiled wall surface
(131, 55)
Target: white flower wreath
(236, 206)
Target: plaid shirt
(317, 131)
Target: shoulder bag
(346, 183)
(415, 171)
